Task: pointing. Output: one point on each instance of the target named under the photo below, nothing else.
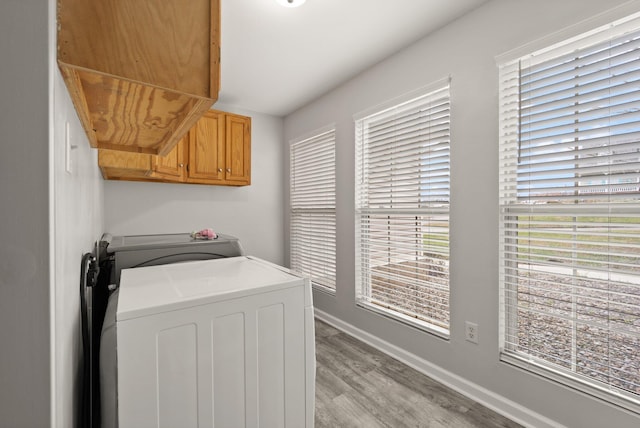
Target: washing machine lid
(150, 290)
(150, 250)
(169, 241)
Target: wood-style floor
(359, 386)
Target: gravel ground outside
(603, 340)
(588, 326)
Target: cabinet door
(206, 149)
(238, 148)
(171, 167)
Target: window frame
(397, 220)
(314, 203)
(510, 128)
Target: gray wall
(49, 218)
(466, 51)
(252, 213)
(24, 215)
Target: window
(570, 212)
(402, 211)
(313, 209)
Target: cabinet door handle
(229, 170)
(219, 169)
(181, 165)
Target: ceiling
(275, 59)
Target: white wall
(78, 223)
(252, 213)
(466, 51)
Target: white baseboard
(493, 401)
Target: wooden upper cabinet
(140, 73)
(220, 149)
(217, 150)
(120, 165)
(116, 164)
(238, 149)
(206, 149)
(172, 166)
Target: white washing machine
(219, 343)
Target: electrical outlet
(471, 331)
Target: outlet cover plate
(471, 332)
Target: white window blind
(313, 208)
(402, 211)
(570, 212)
